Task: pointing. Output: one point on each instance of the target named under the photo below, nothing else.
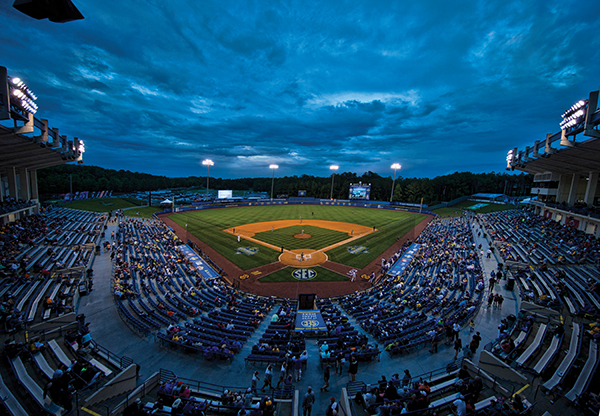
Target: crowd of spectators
(14, 238)
(443, 279)
(148, 267)
(10, 204)
(175, 398)
(535, 232)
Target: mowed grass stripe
(208, 226)
(375, 243)
(319, 237)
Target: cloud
(435, 86)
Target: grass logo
(248, 251)
(304, 274)
(357, 249)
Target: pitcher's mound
(302, 236)
(303, 258)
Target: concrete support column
(573, 191)
(12, 182)
(34, 189)
(562, 193)
(590, 190)
(24, 180)
(34, 184)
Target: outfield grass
(103, 204)
(447, 212)
(285, 275)
(389, 229)
(284, 237)
(208, 226)
(456, 210)
(143, 212)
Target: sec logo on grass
(304, 274)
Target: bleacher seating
(584, 378)
(565, 365)
(34, 389)
(539, 336)
(155, 287)
(395, 312)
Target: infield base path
(301, 257)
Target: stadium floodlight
(395, 166)
(273, 166)
(574, 115)
(208, 163)
(20, 99)
(333, 168)
(510, 156)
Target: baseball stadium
(120, 301)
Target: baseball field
(298, 236)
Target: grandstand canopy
(582, 158)
(579, 151)
(19, 151)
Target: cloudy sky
(437, 86)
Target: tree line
(58, 180)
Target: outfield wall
(345, 203)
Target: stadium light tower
(395, 166)
(333, 168)
(273, 179)
(208, 163)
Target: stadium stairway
(358, 327)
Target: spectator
(406, 379)
(326, 376)
(457, 347)
(268, 377)
(460, 405)
(255, 379)
(307, 403)
(332, 409)
(353, 367)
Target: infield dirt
(300, 257)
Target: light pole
(395, 166)
(273, 178)
(333, 168)
(208, 163)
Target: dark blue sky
(437, 86)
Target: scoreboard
(360, 191)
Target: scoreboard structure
(360, 191)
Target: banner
(198, 262)
(400, 266)
(310, 320)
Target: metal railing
(218, 389)
(122, 361)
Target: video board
(225, 194)
(360, 191)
